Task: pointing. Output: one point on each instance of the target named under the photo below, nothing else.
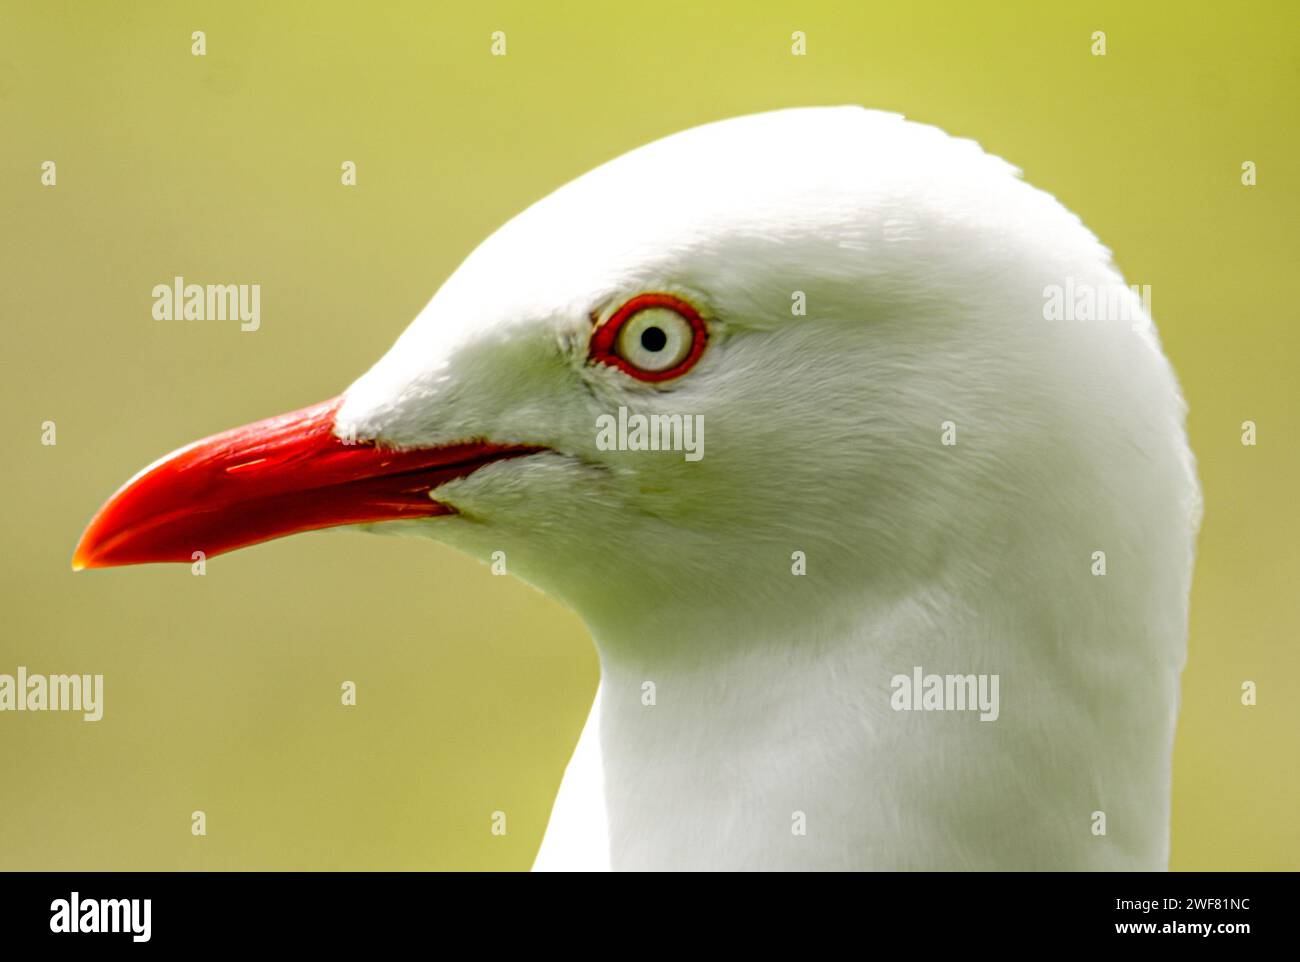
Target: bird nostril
(653, 339)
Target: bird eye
(653, 337)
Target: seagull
(914, 470)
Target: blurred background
(222, 691)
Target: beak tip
(84, 555)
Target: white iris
(655, 339)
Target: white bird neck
(783, 751)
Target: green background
(222, 692)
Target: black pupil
(653, 339)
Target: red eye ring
(605, 339)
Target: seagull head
(839, 311)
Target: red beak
(266, 480)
